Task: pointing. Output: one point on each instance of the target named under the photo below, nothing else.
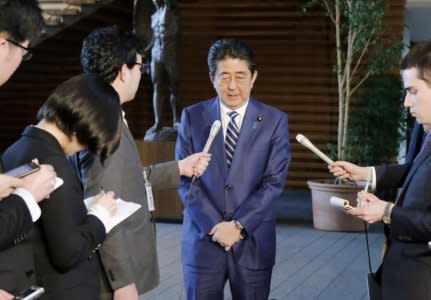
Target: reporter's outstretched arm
(348, 170)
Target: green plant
(375, 127)
(362, 51)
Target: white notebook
(124, 210)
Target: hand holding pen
(360, 202)
(370, 208)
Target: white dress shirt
(224, 110)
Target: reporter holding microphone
(406, 266)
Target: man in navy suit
(229, 218)
(406, 267)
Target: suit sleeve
(412, 222)
(407, 222)
(72, 235)
(164, 176)
(196, 201)
(391, 176)
(15, 220)
(253, 211)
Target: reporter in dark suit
(406, 267)
(83, 112)
(20, 23)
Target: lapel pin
(258, 119)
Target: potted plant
(363, 51)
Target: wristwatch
(239, 226)
(387, 213)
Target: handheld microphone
(306, 143)
(213, 132)
(215, 128)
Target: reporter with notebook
(81, 113)
(406, 266)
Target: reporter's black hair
(88, 107)
(21, 20)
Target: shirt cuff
(101, 213)
(31, 203)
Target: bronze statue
(161, 34)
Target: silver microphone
(213, 132)
(215, 128)
(306, 142)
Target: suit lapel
(250, 126)
(426, 152)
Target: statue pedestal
(167, 202)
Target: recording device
(340, 203)
(24, 170)
(306, 143)
(31, 293)
(215, 128)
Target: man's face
(133, 79)
(233, 82)
(418, 96)
(10, 58)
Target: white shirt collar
(225, 110)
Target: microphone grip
(207, 145)
(320, 154)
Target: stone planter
(327, 217)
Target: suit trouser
(208, 283)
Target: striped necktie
(232, 134)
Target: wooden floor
(310, 264)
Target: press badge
(149, 191)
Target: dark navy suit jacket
(406, 269)
(246, 192)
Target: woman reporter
(82, 113)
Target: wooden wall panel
(294, 53)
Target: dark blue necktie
(232, 134)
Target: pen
(367, 185)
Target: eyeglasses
(142, 67)
(28, 52)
